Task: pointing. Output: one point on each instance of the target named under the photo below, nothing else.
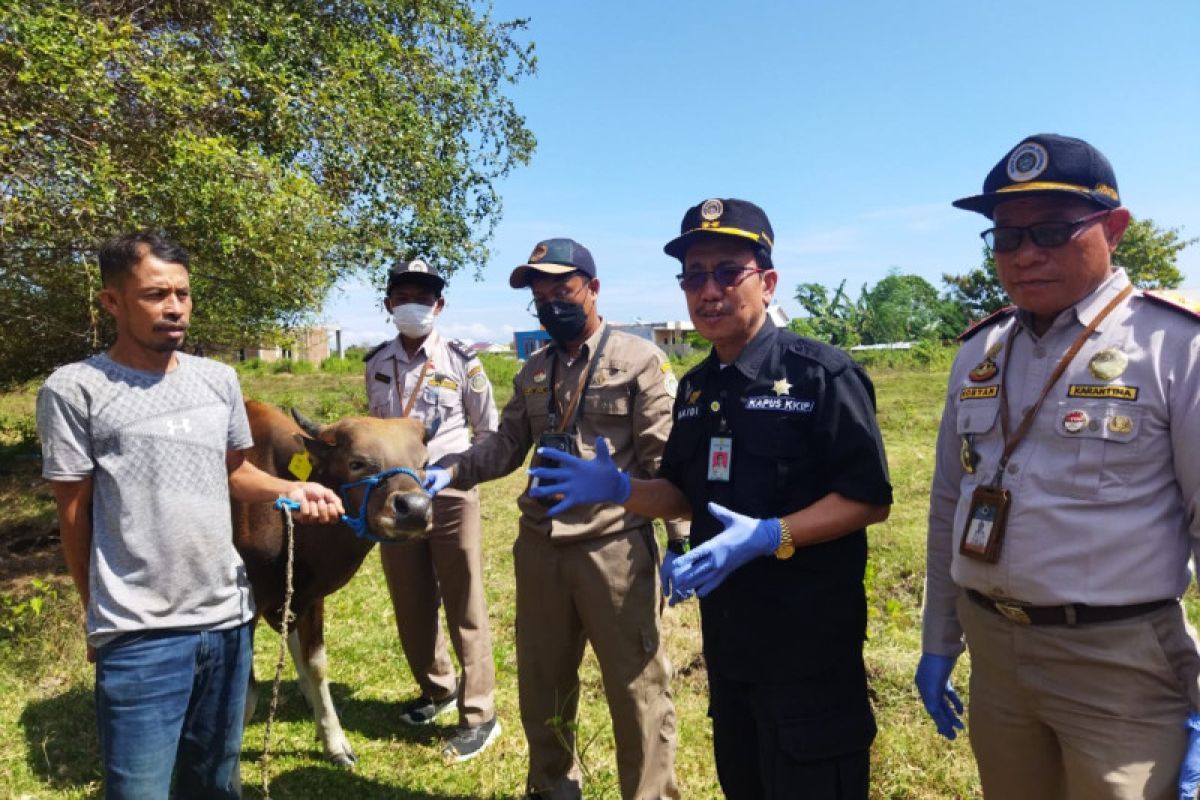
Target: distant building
(306, 344)
(525, 342)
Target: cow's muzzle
(413, 520)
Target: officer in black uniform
(776, 456)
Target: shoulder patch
(461, 347)
(991, 319)
(374, 351)
(1173, 304)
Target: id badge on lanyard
(720, 458)
(983, 533)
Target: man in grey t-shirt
(143, 446)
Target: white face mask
(413, 319)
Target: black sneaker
(424, 710)
(466, 743)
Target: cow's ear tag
(300, 466)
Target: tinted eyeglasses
(726, 277)
(1006, 239)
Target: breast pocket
(779, 454)
(1097, 446)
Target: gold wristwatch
(786, 546)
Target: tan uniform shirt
(628, 403)
(1105, 486)
(455, 388)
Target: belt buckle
(1012, 612)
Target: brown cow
(326, 556)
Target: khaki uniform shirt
(455, 389)
(628, 403)
(1105, 486)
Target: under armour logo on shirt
(183, 425)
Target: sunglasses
(1045, 234)
(726, 277)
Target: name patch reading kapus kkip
(788, 405)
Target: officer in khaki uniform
(588, 575)
(426, 376)
(1066, 503)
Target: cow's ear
(317, 448)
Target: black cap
(726, 217)
(554, 257)
(1047, 164)
(416, 271)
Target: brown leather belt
(1072, 614)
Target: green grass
(47, 733)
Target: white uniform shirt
(455, 388)
(1105, 485)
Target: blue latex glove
(436, 479)
(1189, 772)
(667, 578)
(939, 697)
(581, 481)
(744, 538)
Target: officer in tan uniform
(423, 375)
(588, 575)
(1066, 503)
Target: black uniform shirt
(801, 415)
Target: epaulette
(1174, 305)
(831, 358)
(461, 347)
(375, 350)
(989, 320)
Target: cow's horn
(431, 428)
(306, 424)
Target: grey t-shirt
(162, 552)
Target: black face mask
(562, 320)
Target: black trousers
(805, 740)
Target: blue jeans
(172, 701)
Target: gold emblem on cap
(538, 253)
(417, 265)
(1120, 423)
(1108, 364)
(984, 371)
(712, 209)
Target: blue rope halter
(358, 524)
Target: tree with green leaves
(906, 308)
(1148, 254)
(834, 319)
(286, 144)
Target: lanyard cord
(412, 398)
(1011, 442)
(585, 382)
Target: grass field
(47, 734)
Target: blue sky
(853, 124)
